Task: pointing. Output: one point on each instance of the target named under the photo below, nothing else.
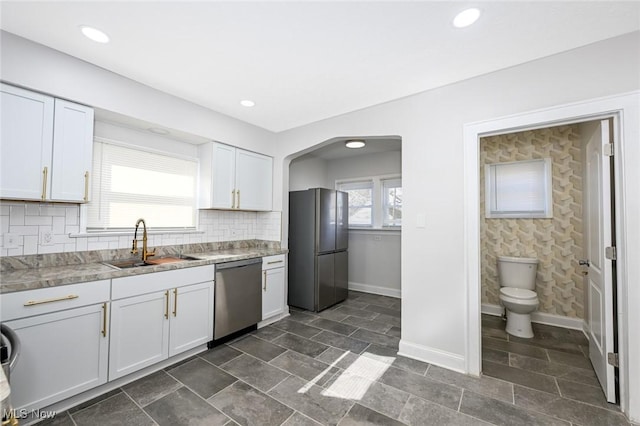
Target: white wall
(382, 163)
(308, 172)
(431, 127)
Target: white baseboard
(383, 291)
(540, 318)
(432, 356)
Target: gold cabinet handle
(175, 302)
(86, 186)
(45, 173)
(264, 287)
(274, 262)
(233, 199)
(238, 204)
(53, 299)
(166, 308)
(104, 319)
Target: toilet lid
(518, 293)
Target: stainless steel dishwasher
(238, 296)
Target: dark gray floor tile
(336, 327)
(203, 378)
(580, 375)
(304, 317)
(354, 303)
(332, 314)
(338, 357)
(589, 394)
(395, 332)
(419, 412)
(522, 377)
(249, 406)
(184, 407)
(390, 356)
(310, 400)
(299, 419)
(494, 355)
(503, 413)
(268, 333)
(116, 410)
(361, 416)
(304, 367)
(484, 385)
(385, 399)
(220, 354)
(376, 338)
(340, 341)
(95, 400)
(300, 344)
(428, 389)
(259, 348)
(573, 360)
(298, 328)
(566, 409)
(60, 419)
(496, 333)
(361, 313)
(372, 325)
(388, 319)
(518, 348)
(492, 321)
(383, 310)
(375, 299)
(152, 387)
(257, 373)
(547, 342)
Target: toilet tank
(518, 272)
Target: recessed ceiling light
(94, 34)
(466, 18)
(158, 131)
(247, 103)
(354, 144)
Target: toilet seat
(518, 293)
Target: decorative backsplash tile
(41, 228)
(558, 242)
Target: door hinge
(608, 149)
(613, 359)
(610, 253)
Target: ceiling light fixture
(247, 103)
(354, 144)
(94, 34)
(466, 18)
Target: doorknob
(584, 263)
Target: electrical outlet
(46, 237)
(377, 238)
(9, 241)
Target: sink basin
(136, 263)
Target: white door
(191, 317)
(599, 279)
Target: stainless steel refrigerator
(318, 244)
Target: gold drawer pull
(166, 308)
(86, 186)
(275, 261)
(45, 172)
(265, 281)
(104, 319)
(54, 299)
(175, 302)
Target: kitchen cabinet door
(272, 292)
(254, 177)
(26, 140)
(223, 177)
(63, 353)
(139, 332)
(72, 152)
(191, 315)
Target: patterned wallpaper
(558, 242)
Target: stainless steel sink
(137, 262)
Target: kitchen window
(374, 202)
(132, 182)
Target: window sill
(371, 230)
(130, 233)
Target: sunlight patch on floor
(354, 382)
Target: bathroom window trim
(377, 212)
(545, 188)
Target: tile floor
(340, 367)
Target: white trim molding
(625, 111)
(540, 317)
(374, 289)
(432, 356)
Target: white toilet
(517, 276)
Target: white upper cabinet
(45, 147)
(234, 179)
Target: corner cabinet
(64, 334)
(158, 315)
(273, 286)
(45, 147)
(234, 179)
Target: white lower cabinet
(273, 285)
(148, 328)
(64, 345)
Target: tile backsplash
(38, 228)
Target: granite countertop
(26, 274)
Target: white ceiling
(337, 149)
(305, 61)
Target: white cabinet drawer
(136, 285)
(270, 262)
(23, 304)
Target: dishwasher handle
(238, 263)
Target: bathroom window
(520, 189)
(129, 183)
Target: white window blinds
(131, 183)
